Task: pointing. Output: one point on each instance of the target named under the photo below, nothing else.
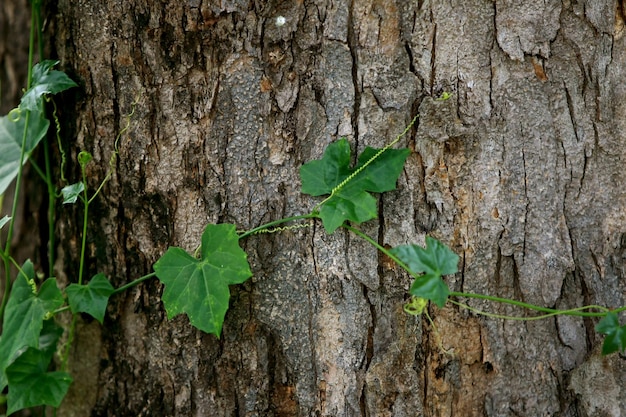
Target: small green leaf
(615, 340)
(436, 258)
(24, 316)
(91, 298)
(31, 385)
(11, 136)
(431, 287)
(4, 221)
(353, 200)
(45, 81)
(434, 261)
(72, 192)
(199, 287)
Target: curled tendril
(15, 115)
(416, 306)
(57, 125)
(33, 286)
(282, 229)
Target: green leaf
(31, 385)
(434, 261)
(4, 221)
(91, 298)
(430, 287)
(353, 200)
(615, 339)
(24, 316)
(72, 192)
(45, 81)
(11, 135)
(199, 287)
(49, 337)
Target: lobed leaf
(31, 385)
(434, 261)
(72, 192)
(615, 340)
(11, 136)
(353, 200)
(24, 316)
(45, 81)
(199, 287)
(91, 298)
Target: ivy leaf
(49, 337)
(11, 135)
(91, 298)
(31, 385)
(615, 339)
(24, 316)
(45, 81)
(434, 261)
(72, 192)
(199, 287)
(430, 287)
(353, 200)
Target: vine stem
(133, 283)
(266, 226)
(86, 200)
(29, 80)
(578, 312)
(380, 248)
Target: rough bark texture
(14, 23)
(520, 172)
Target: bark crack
(433, 58)
(527, 202)
(353, 47)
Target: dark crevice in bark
(517, 289)
(497, 276)
(433, 58)
(526, 200)
(353, 45)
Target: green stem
(578, 312)
(29, 80)
(133, 283)
(550, 311)
(266, 226)
(51, 208)
(571, 312)
(61, 310)
(68, 344)
(38, 170)
(7, 249)
(81, 267)
(380, 248)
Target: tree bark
(520, 172)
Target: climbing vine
(195, 284)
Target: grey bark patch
(597, 389)
(527, 28)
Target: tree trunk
(520, 172)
